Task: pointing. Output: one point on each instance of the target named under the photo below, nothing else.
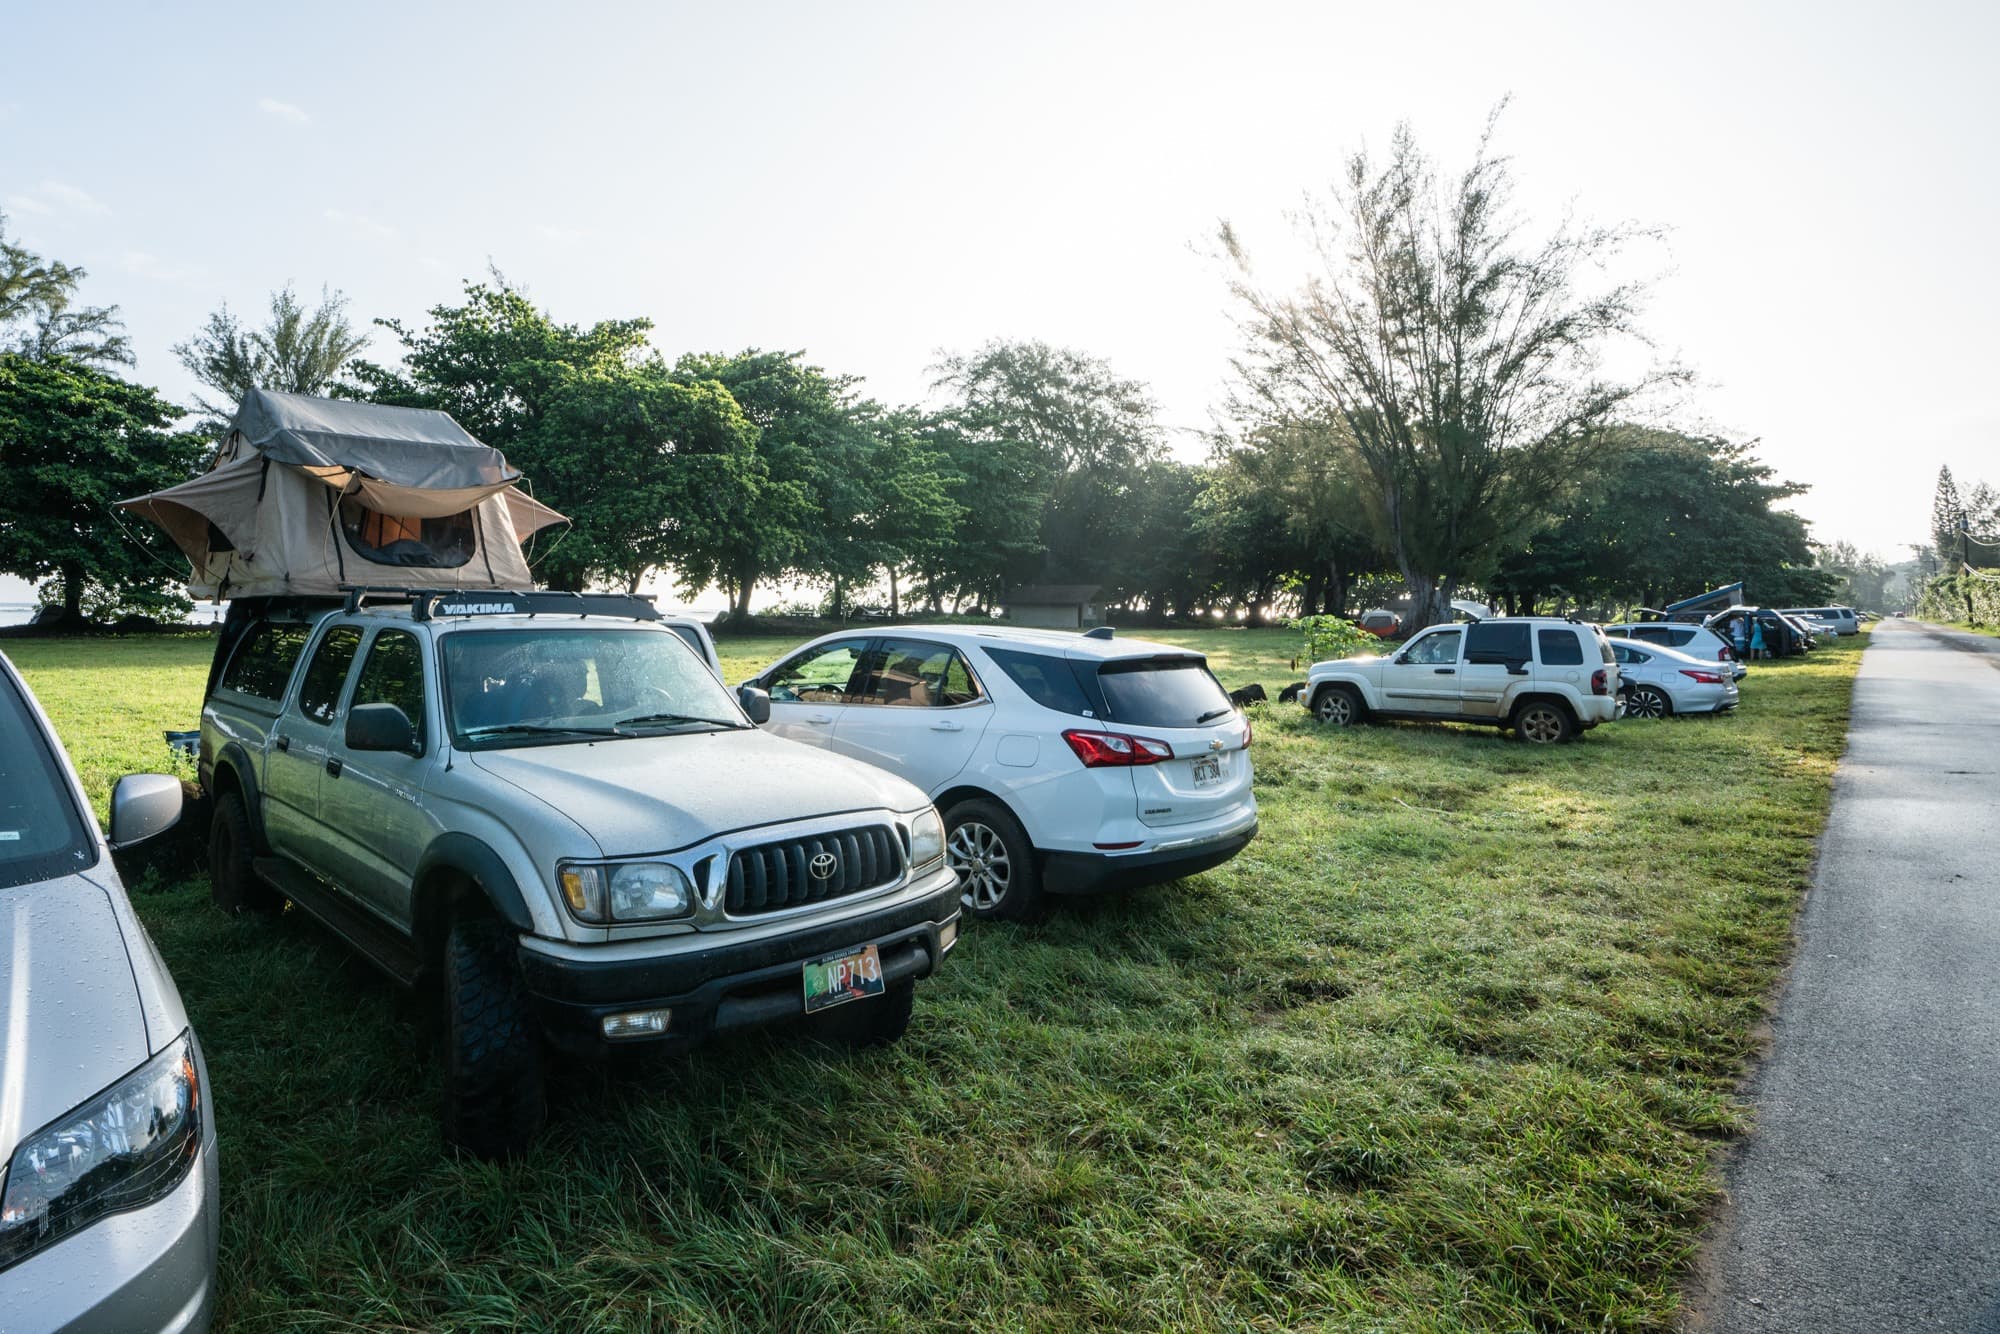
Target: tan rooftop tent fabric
(308, 495)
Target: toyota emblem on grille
(823, 866)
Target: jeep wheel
(493, 1095)
(1647, 702)
(875, 1021)
(1543, 722)
(991, 852)
(233, 883)
(1337, 706)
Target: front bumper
(721, 985)
(1105, 872)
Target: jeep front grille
(774, 876)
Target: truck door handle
(282, 742)
(1444, 671)
(334, 765)
(821, 718)
(947, 725)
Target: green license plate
(839, 978)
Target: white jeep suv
(1546, 677)
(1063, 763)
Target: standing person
(1757, 649)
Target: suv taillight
(1600, 682)
(1725, 653)
(1115, 750)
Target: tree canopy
(39, 316)
(296, 351)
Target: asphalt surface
(1868, 1197)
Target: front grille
(774, 876)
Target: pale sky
(875, 182)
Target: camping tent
(310, 495)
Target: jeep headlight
(926, 842)
(124, 1149)
(604, 892)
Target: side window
(911, 673)
(1439, 649)
(1560, 648)
(319, 693)
(1486, 641)
(263, 663)
(1044, 679)
(819, 675)
(1651, 634)
(393, 673)
(1680, 638)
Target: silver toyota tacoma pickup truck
(549, 805)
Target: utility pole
(1965, 562)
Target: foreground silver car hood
(654, 794)
(71, 1017)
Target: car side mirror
(143, 806)
(381, 727)
(756, 702)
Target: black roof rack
(430, 603)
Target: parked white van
(1841, 619)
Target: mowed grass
(1449, 1047)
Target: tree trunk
(895, 604)
(739, 608)
(1309, 596)
(72, 582)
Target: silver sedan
(1657, 682)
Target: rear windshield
(42, 834)
(1162, 692)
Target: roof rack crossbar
(430, 603)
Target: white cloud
(271, 106)
(563, 235)
(52, 197)
(361, 225)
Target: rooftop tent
(1694, 608)
(308, 495)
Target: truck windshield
(538, 687)
(42, 834)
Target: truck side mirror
(755, 702)
(381, 727)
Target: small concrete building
(1054, 606)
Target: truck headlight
(124, 1149)
(602, 892)
(926, 842)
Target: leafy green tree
(1059, 427)
(39, 316)
(1461, 358)
(74, 440)
(297, 351)
(911, 523)
(652, 469)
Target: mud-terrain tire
(875, 1021)
(233, 882)
(494, 1099)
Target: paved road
(1868, 1197)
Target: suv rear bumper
(1104, 872)
(729, 985)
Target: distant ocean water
(20, 613)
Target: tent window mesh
(391, 539)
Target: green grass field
(1450, 1046)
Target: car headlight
(926, 842)
(604, 892)
(124, 1149)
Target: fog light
(637, 1023)
(947, 935)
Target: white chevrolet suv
(1063, 763)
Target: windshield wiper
(643, 719)
(1214, 713)
(538, 729)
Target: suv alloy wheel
(1647, 702)
(990, 850)
(1543, 722)
(1337, 706)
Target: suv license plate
(839, 978)
(1207, 770)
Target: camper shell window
(389, 539)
